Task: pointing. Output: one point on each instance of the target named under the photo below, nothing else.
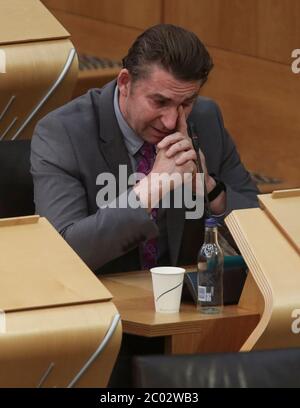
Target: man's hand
(176, 158)
(175, 153)
(179, 145)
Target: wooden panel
(22, 21)
(280, 208)
(133, 296)
(38, 268)
(260, 104)
(63, 338)
(97, 38)
(233, 332)
(32, 69)
(267, 29)
(274, 266)
(132, 13)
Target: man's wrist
(210, 183)
(216, 188)
(148, 192)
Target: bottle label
(205, 293)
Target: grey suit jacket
(72, 145)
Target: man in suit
(150, 104)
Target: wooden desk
(185, 332)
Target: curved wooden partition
(58, 324)
(273, 284)
(40, 67)
(59, 346)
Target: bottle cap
(211, 222)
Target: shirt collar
(132, 141)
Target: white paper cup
(167, 287)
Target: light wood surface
(267, 29)
(130, 13)
(286, 193)
(266, 188)
(37, 49)
(32, 68)
(63, 336)
(54, 312)
(215, 336)
(41, 268)
(24, 21)
(284, 209)
(185, 332)
(274, 286)
(251, 297)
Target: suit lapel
(114, 152)
(112, 143)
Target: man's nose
(169, 118)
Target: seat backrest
(16, 185)
(39, 67)
(267, 369)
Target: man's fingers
(185, 157)
(180, 134)
(181, 121)
(169, 140)
(180, 146)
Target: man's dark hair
(175, 49)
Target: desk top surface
(133, 296)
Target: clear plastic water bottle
(210, 265)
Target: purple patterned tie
(145, 164)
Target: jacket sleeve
(60, 197)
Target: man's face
(150, 105)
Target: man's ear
(124, 80)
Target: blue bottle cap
(211, 222)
